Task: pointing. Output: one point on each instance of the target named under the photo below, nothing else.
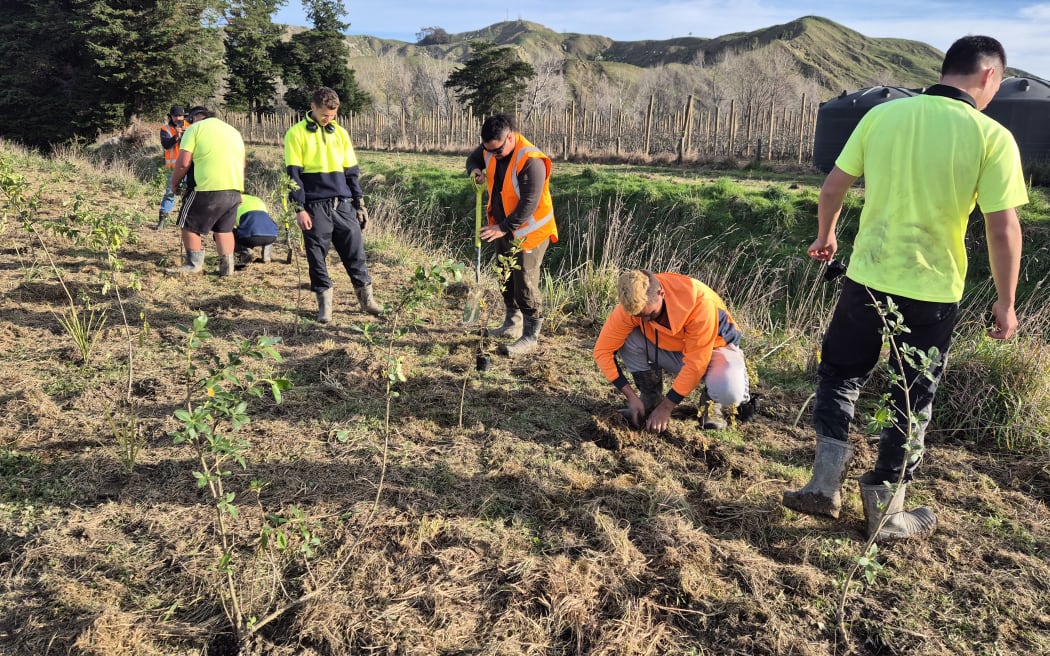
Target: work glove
(362, 211)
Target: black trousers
(334, 224)
(849, 353)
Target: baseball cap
(176, 110)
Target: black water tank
(837, 118)
(1023, 106)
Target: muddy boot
(194, 263)
(900, 524)
(368, 302)
(162, 219)
(530, 337)
(822, 495)
(711, 417)
(324, 306)
(512, 325)
(267, 254)
(244, 258)
(226, 265)
(650, 386)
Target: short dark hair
(199, 111)
(967, 54)
(326, 97)
(495, 125)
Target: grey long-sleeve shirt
(530, 186)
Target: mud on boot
(513, 324)
(368, 302)
(194, 264)
(226, 265)
(822, 495)
(324, 305)
(711, 417)
(900, 524)
(530, 338)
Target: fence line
(744, 132)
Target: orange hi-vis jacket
(699, 322)
(541, 224)
(171, 154)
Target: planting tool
(475, 297)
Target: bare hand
(636, 411)
(491, 233)
(479, 177)
(823, 249)
(1005, 321)
(303, 220)
(660, 418)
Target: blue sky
(1022, 27)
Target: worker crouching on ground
(520, 212)
(670, 322)
(254, 229)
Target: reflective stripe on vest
(170, 154)
(540, 225)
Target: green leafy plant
(215, 409)
(884, 416)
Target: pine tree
(42, 88)
(251, 40)
(318, 57)
(145, 55)
(491, 79)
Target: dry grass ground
(515, 531)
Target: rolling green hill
(838, 57)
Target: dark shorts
(257, 240)
(206, 211)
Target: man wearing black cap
(170, 136)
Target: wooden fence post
(649, 125)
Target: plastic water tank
(836, 119)
(1023, 106)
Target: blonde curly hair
(635, 289)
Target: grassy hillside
(399, 501)
(840, 58)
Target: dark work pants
(523, 287)
(335, 224)
(849, 354)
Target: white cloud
(1036, 12)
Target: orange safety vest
(541, 224)
(171, 154)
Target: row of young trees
(75, 68)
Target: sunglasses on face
(498, 148)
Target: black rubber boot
(530, 337)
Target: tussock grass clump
(997, 393)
